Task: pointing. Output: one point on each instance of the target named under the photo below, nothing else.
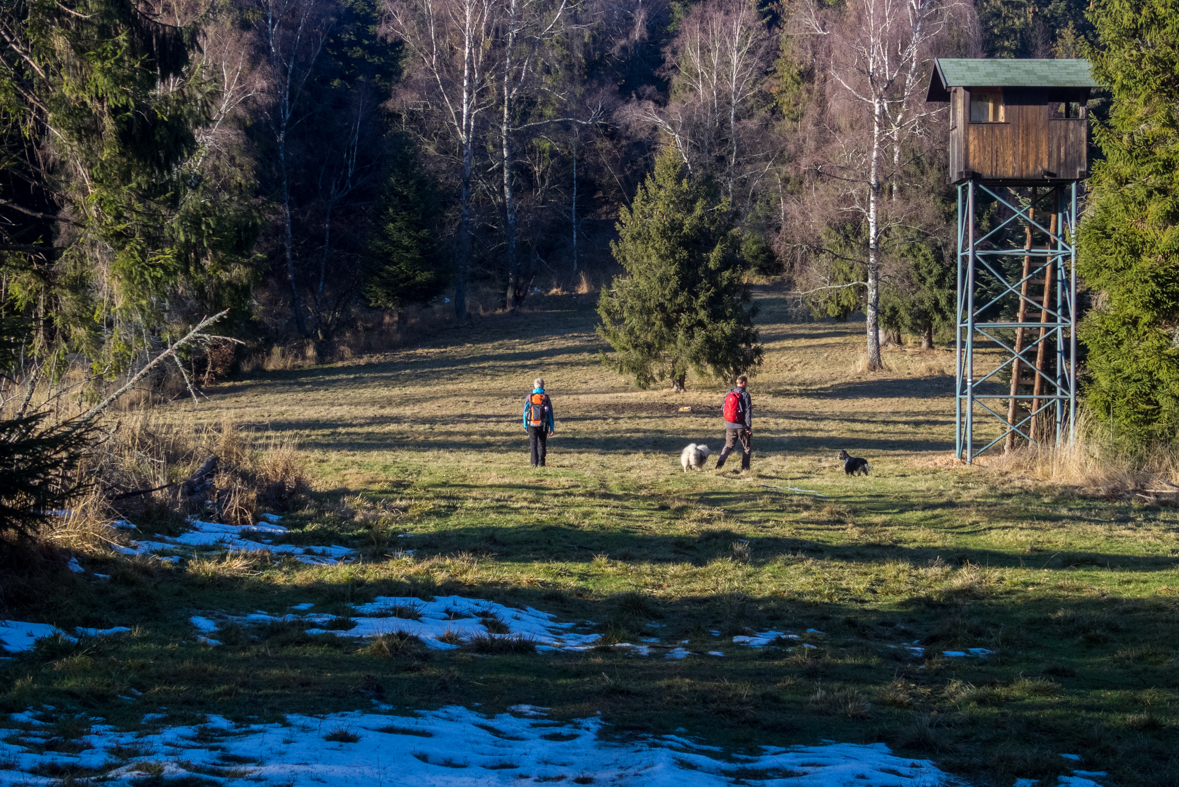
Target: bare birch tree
(527, 26)
(292, 34)
(717, 65)
(450, 42)
(876, 55)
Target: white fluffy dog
(693, 456)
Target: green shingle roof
(979, 72)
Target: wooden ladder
(1036, 375)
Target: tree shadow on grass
(662, 432)
(628, 541)
(935, 387)
(429, 372)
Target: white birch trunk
(872, 306)
(512, 298)
(573, 203)
(466, 138)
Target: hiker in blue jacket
(538, 421)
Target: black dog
(853, 465)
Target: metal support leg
(982, 253)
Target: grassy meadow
(1076, 594)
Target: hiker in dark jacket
(538, 421)
(740, 428)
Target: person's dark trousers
(732, 437)
(537, 440)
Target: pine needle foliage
(115, 223)
(403, 265)
(38, 452)
(1129, 242)
(683, 302)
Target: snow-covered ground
(443, 618)
(17, 636)
(451, 747)
(234, 538)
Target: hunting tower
(1018, 150)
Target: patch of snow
(76, 567)
(461, 617)
(532, 711)
(17, 636)
(1076, 757)
(134, 771)
(689, 744)
(456, 746)
(266, 528)
(204, 625)
(715, 653)
(981, 653)
(762, 638)
(27, 717)
(230, 538)
(85, 632)
(306, 605)
(1075, 781)
(271, 518)
(814, 631)
(641, 650)
(679, 653)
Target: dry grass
(231, 565)
(86, 529)
(1094, 463)
(145, 450)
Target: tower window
(986, 106)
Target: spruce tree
(38, 453)
(114, 221)
(1130, 238)
(925, 302)
(683, 302)
(403, 264)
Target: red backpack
(734, 408)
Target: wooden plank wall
(957, 132)
(1025, 146)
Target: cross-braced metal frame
(982, 268)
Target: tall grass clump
(1095, 462)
